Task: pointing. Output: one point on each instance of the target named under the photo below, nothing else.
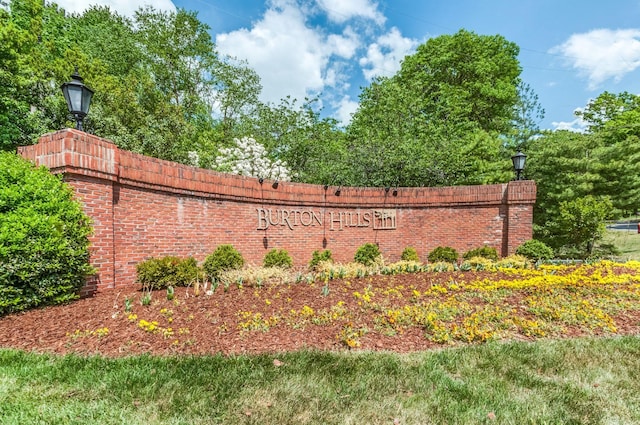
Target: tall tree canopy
(437, 121)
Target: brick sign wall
(144, 207)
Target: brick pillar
(520, 197)
(90, 165)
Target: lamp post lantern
(78, 97)
(518, 164)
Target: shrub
(157, 273)
(225, 257)
(484, 252)
(278, 258)
(367, 254)
(44, 238)
(535, 250)
(410, 254)
(443, 254)
(319, 256)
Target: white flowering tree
(249, 158)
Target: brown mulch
(209, 324)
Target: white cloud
(385, 55)
(578, 125)
(341, 11)
(602, 54)
(123, 7)
(290, 57)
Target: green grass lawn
(581, 381)
(627, 241)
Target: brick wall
(143, 207)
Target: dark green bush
(410, 254)
(278, 258)
(44, 238)
(158, 273)
(535, 250)
(367, 254)
(225, 257)
(484, 252)
(443, 253)
(319, 256)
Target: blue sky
(570, 51)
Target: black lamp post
(518, 163)
(78, 97)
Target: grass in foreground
(585, 381)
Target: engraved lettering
(285, 219)
(262, 219)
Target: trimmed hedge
(44, 237)
(278, 258)
(410, 254)
(224, 257)
(535, 250)
(319, 256)
(367, 254)
(484, 252)
(158, 273)
(444, 254)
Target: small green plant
(278, 258)
(367, 254)
(443, 254)
(146, 299)
(535, 250)
(225, 257)
(484, 252)
(170, 293)
(128, 305)
(319, 256)
(410, 254)
(158, 273)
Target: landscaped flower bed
(398, 311)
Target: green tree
(528, 113)
(581, 222)
(414, 128)
(564, 165)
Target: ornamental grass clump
(44, 238)
(257, 276)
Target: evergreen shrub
(443, 254)
(158, 273)
(278, 258)
(44, 237)
(535, 250)
(224, 257)
(367, 254)
(319, 256)
(484, 252)
(410, 254)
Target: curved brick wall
(143, 207)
